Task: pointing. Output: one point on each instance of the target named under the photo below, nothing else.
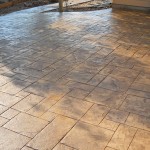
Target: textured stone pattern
(76, 81)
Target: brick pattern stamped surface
(75, 81)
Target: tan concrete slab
(26, 125)
(106, 97)
(3, 108)
(3, 121)
(71, 107)
(116, 83)
(141, 90)
(26, 148)
(96, 79)
(95, 114)
(8, 100)
(42, 107)
(10, 140)
(10, 113)
(141, 141)
(91, 137)
(109, 148)
(49, 116)
(122, 137)
(48, 133)
(117, 115)
(108, 124)
(28, 102)
(138, 121)
(14, 86)
(143, 78)
(4, 80)
(122, 72)
(136, 105)
(78, 93)
(62, 147)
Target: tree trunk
(60, 5)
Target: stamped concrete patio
(75, 81)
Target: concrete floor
(75, 81)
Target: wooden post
(60, 5)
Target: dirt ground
(87, 6)
(24, 5)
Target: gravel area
(87, 6)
